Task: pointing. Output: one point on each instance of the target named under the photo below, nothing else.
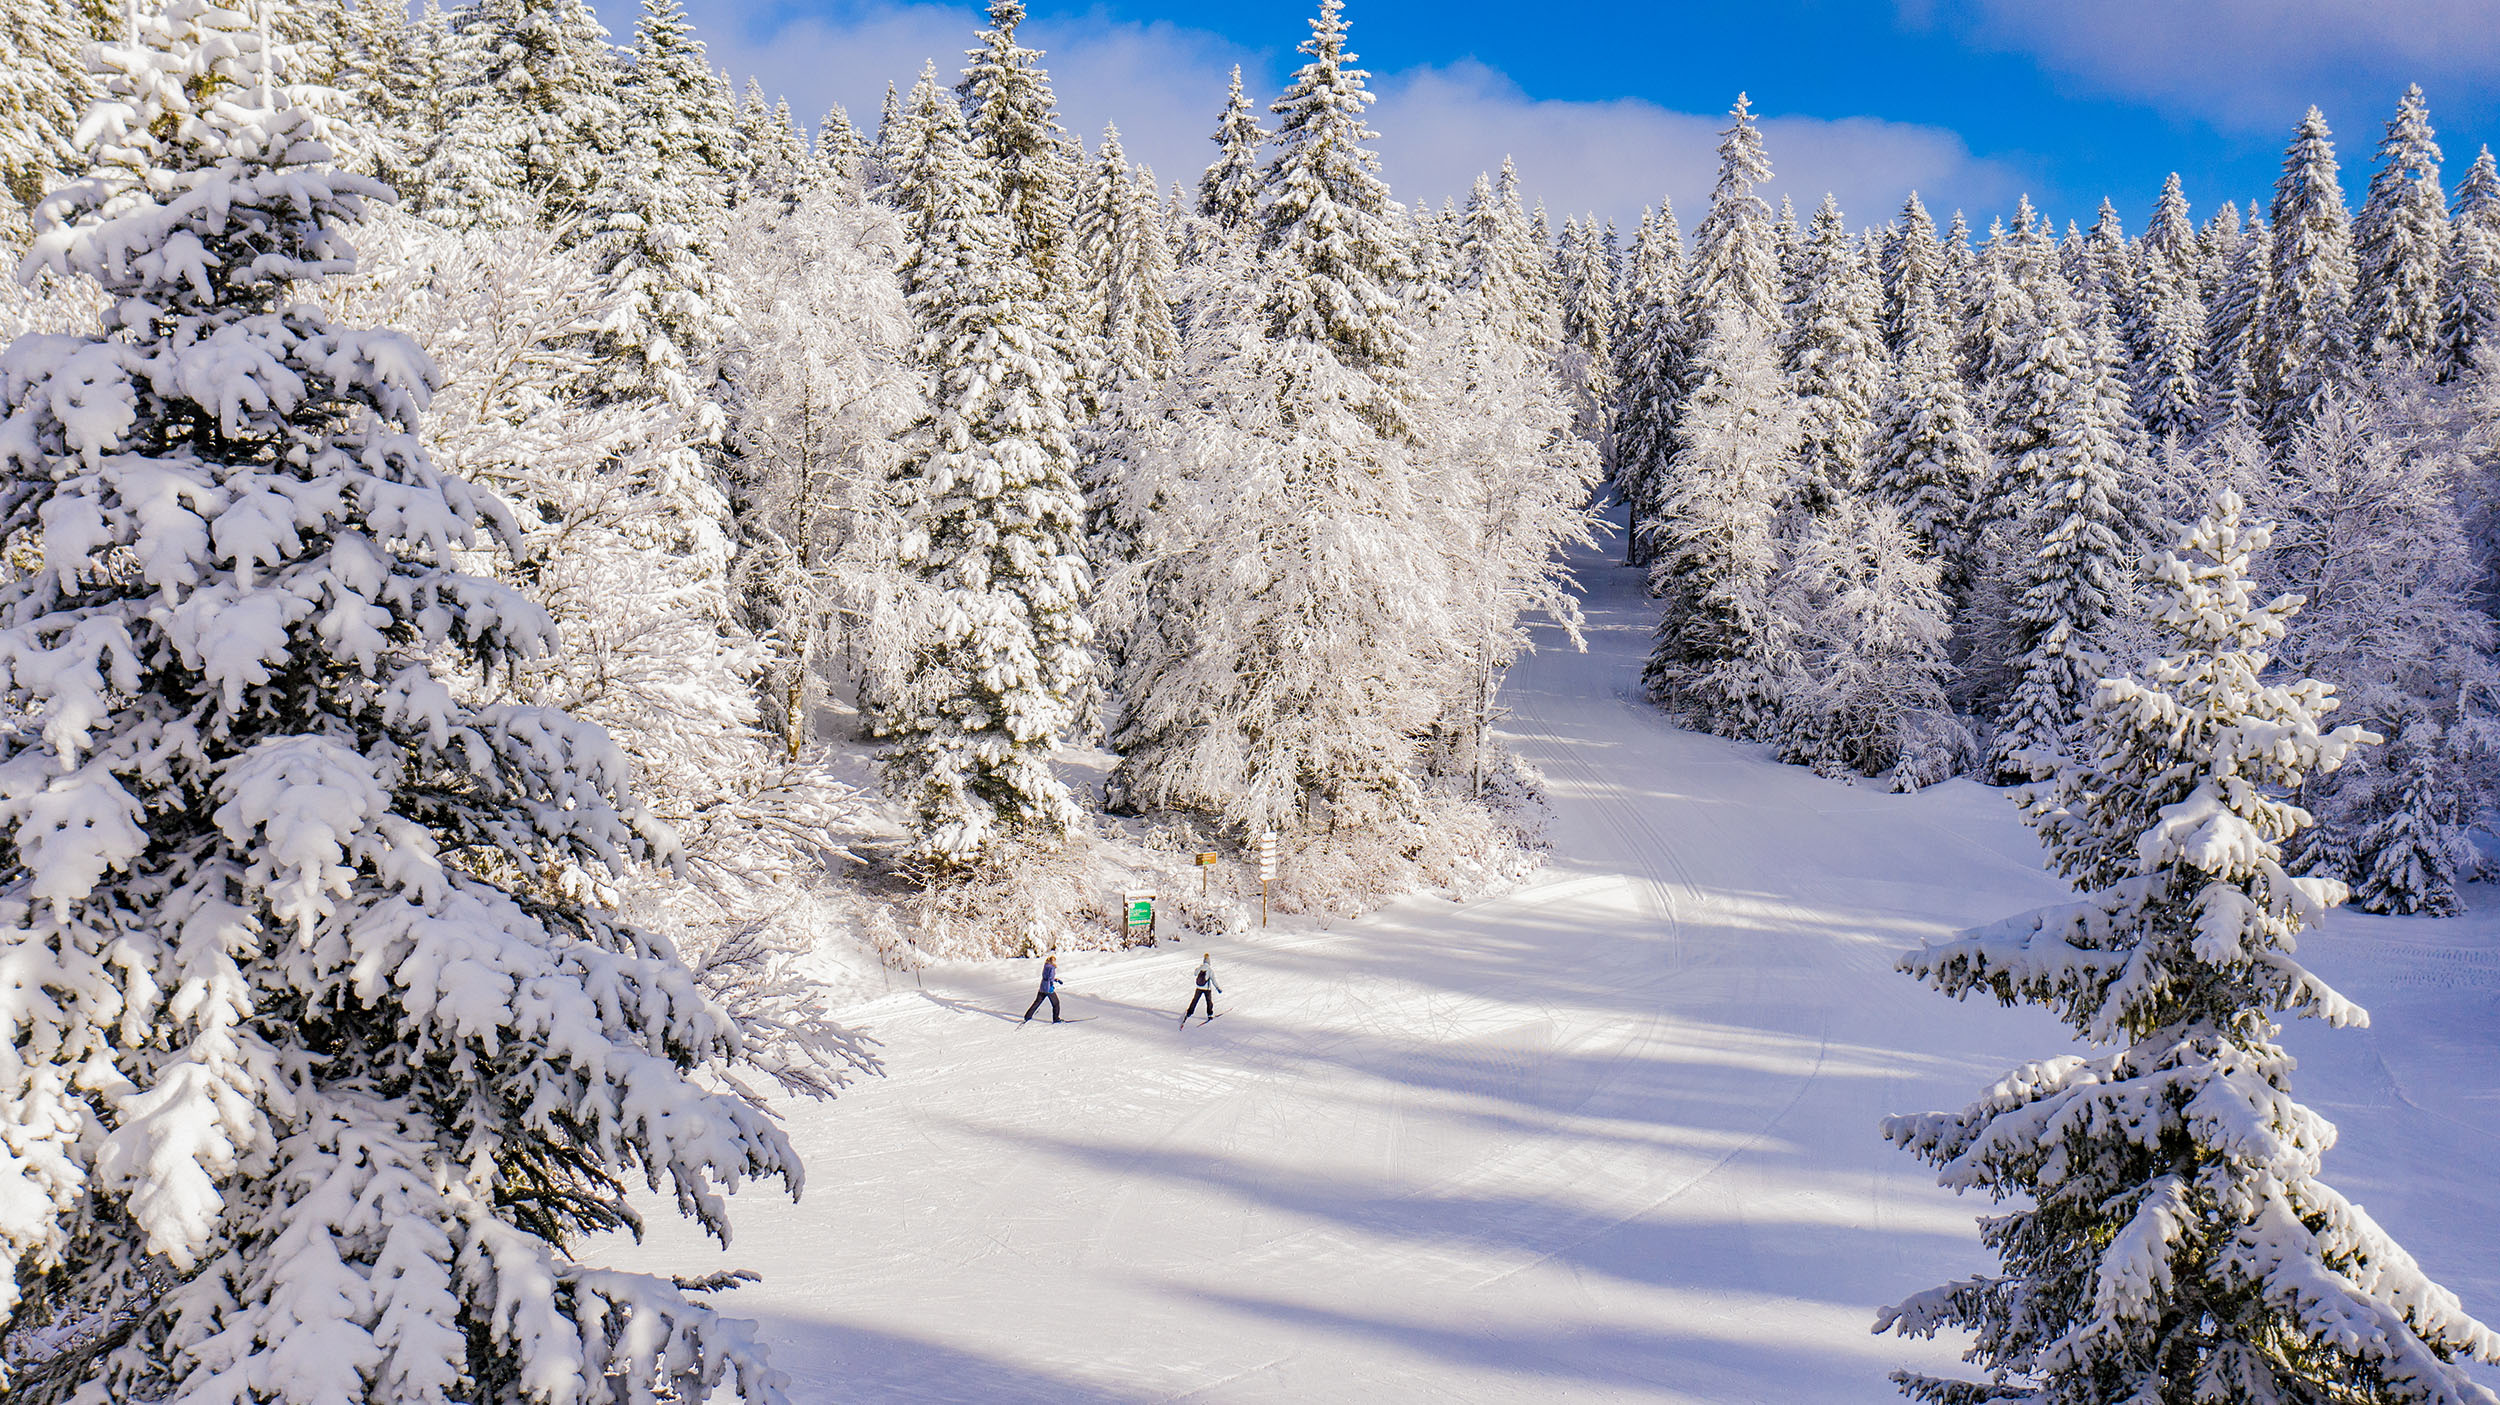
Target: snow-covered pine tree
(2400, 242)
(1013, 119)
(1501, 262)
(841, 152)
(1327, 225)
(2236, 320)
(2307, 341)
(1590, 311)
(1736, 247)
(2170, 1238)
(2408, 859)
(1871, 619)
(537, 126)
(1925, 459)
(1912, 269)
(886, 149)
(663, 208)
(993, 524)
(1646, 375)
(2470, 305)
(2172, 234)
(2076, 525)
(1833, 355)
(314, 925)
(2164, 335)
(42, 47)
(1724, 659)
(1122, 249)
(1228, 193)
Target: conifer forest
(571, 642)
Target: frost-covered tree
(2470, 303)
(1591, 309)
(1723, 660)
(841, 153)
(2400, 242)
(1228, 193)
(2172, 234)
(1833, 355)
(1871, 622)
(1501, 261)
(1737, 246)
(42, 45)
(2306, 343)
(2408, 860)
(993, 525)
(364, 1057)
(820, 385)
(2236, 317)
(2164, 335)
(2168, 1236)
(1279, 662)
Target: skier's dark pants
(1206, 995)
(1053, 997)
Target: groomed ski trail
(1611, 1137)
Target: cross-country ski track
(1609, 1137)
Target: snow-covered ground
(1611, 1137)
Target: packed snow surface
(1611, 1137)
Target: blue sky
(1608, 106)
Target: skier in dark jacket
(1207, 989)
(1050, 990)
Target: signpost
(1206, 869)
(1138, 904)
(1267, 869)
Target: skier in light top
(1050, 990)
(1207, 989)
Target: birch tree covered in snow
(359, 1060)
(2171, 1238)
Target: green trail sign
(1140, 903)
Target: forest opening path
(1609, 1137)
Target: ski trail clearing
(1611, 1137)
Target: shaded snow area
(1609, 1137)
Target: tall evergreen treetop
(1014, 122)
(1736, 248)
(2400, 242)
(1229, 191)
(2471, 304)
(1328, 225)
(1912, 265)
(2307, 343)
(2172, 233)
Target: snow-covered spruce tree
(2164, 337)
(1013, 121)
(2408, 861)
(841, 153)
(2470, 305)
(1911, 268)
(2400, 242)
(993, 526)
(2307, 341)
(1647, 369)
(2172, 234)
(360, 1063)
(1591, 308)
(2236, 320)
(2076, 524)
(2170, 1238)
(1500, 261)
(1871, 619)
(1736, 247)
(1228, 193)
(1724, 658)
(537, 124)
(1127, 262)
(1926, 459)
(1833, 355)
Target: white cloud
(1164, 85)
(2245, 65)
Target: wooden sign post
(1267, 869)
(1138, 906)
(1206, 869)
